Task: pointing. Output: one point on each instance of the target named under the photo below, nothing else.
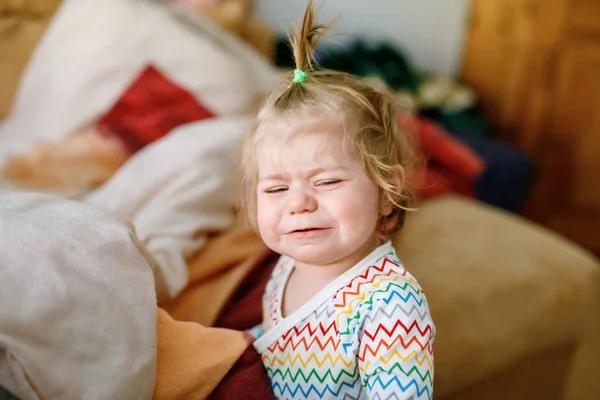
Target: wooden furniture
(536, 67)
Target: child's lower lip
(308, 233)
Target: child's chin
(312, 256)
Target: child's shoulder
(386, 275)
(384, 290)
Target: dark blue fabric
(509, 172)
(508, 175)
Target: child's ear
(387, 203)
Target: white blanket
(77, 303)
(93, 50)
(181, 188)
(176, 192)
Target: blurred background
(105, 101)
(515, 81)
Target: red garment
(149, 109)
(451, 165)
(247, 380)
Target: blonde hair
(379, 143)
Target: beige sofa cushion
(22, 23)
(499, 287)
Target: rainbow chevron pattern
(371, 338)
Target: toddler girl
(323, 183)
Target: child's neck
(307, 280)
(327, 273)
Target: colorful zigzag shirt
(366, 335)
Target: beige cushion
(21, 26)
(499, 287)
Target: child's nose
(301, 201)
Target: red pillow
(149, 109)
(451, 165)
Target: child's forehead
(325, 133)
(312, 148)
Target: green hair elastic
(299, 76)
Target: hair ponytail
(306, 39)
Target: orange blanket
(192, 357)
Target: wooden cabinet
(536, 66)
(585, 16)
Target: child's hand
(256, 332)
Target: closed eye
(277, 189)
(329, 182)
